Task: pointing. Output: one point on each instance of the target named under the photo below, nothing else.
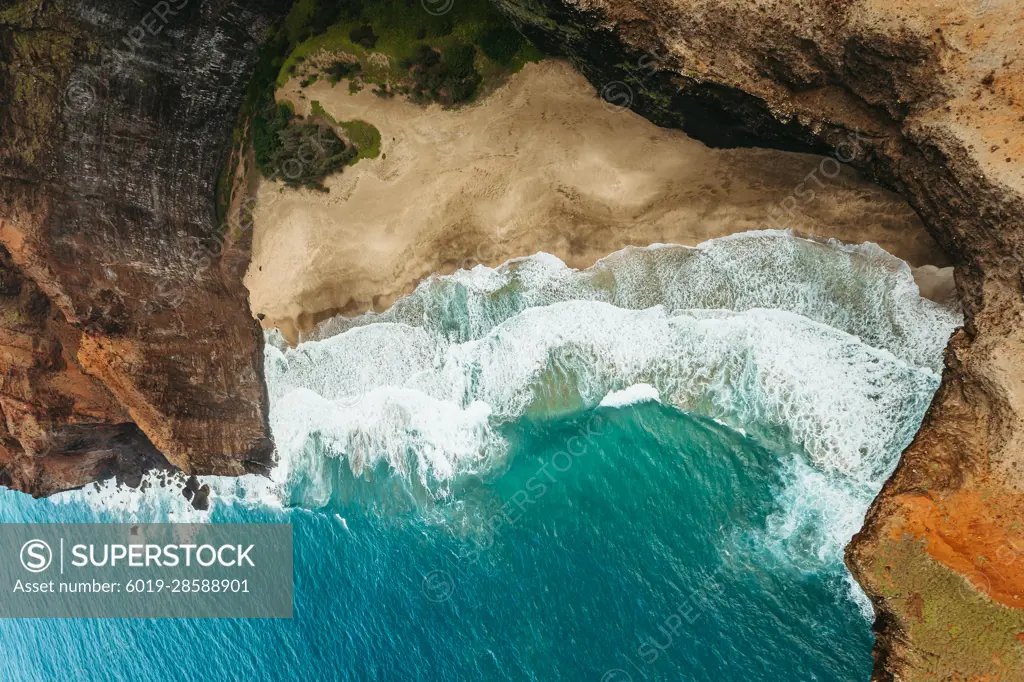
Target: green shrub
(458, 60)
(350, 10)
(269, 120)
(448, 78)
(343, 69)
(440, 27)
(364, 136)
(423, 57)
(296, 23)
(309, 18)
(309, 152)
(363, 35)
(501, 44)
(297, 153)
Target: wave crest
(432, 404)
(859, 289)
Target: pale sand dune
(540, 165)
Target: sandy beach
(542, 164)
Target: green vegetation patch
(396, 45)
(447, 78)
(316, 109)
(390, 39)
(502, 44)
(364, 136)
(300, 154)
(960, 631)
(363, 35)
(343, 69)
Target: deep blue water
(640, 555)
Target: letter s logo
(36, 556)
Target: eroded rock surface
(115, 119)
(59, 427)
(927, 98)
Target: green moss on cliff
(38, 48)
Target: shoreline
(934, 284)
(541, 164)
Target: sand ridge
(541, 164)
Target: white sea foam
(819, 514)
(417, 435)
(637, 393)
(161, 500)
(826, 346)
(432, 406)
(860, 289)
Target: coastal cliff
(928, 100)
(126, 340)
(126, 336)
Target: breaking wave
(824, 352)
(859, 289)
(828, 343)
(429, 408)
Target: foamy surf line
(159, 500)
(859, 289)
(431, 406)
(828, 344)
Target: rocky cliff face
(60, 428)
(125, 330)
(928, 99)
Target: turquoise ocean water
(643, 471)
